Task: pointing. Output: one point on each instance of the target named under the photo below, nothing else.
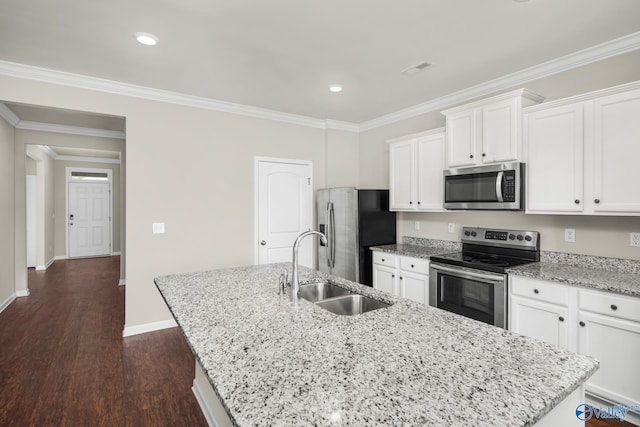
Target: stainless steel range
(474, 282)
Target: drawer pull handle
(535, 291)
(411, 265)
(382, 259)
(582, 324)
(614, 307)
(561, 319)
(393, 276)
(577, 201)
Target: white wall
(190, 168)
(6, 212)
(604, 236)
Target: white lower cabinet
(402, 276)
(600, 324)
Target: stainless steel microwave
(489, 187)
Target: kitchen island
(269, 361)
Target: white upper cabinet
(581, 155)
(416, 165)
(487, 131)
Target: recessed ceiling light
(146, 39)
(335, 88)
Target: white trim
(416, 135)
(117, 253)
(60, 257)
(148, 327)
(22, 293)
(70, 130)
(122, 282)
(48, 151)
(256, 184)
(47, 265)
(8, 301)
(583, 57)
(202, 402)
(8, 115)
(68, 179)
(88, 159)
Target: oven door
(477, 294)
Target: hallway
(63, 361)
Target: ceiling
(282, 54)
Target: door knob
(263, 243)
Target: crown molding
(88, 159)
(48, 151)
(69, 130)
(8, 115)
(583, 57)
(338, 125)
(93, 83)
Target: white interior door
(32, 220)
(284, 211)
(89, 207)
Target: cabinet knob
(410, 203)
(263, 242)
(401, 277)
(393, 275)
(576, 201)
(471, 156)
(484, 154)
(614, 307)
(582, 324)
(382, 259)
(412, 267)
(596, 201)
(561, 319)
(535, 291)
(418, 202)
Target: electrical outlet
(570, 235)
(158, 227)
(634, 239)
(416, 225)
(451, 227)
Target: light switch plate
(570, 235)
(634, 239)
(416, 225)
(158, 227)
(451, 227)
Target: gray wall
(604, 236)
(7, 187)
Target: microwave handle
(499, 186)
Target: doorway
(284, 206)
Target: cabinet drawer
(417, 265)
(540, 290)
(610, 304)
(384, 258)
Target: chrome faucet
(295, 281)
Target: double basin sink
(338, 300)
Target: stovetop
(494, 250)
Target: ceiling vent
(415, 69)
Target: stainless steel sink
(321, 290)
(350, 305)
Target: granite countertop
(416, 251)
(613, 280)
(275, 362)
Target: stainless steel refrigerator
(353, 221)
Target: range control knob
(467, 233)
(520, 237)
(512, 236)
(527, 238)
(473, 234)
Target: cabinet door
(402, 176)
(540, 320)
(384, 278)
(554, 143)
(616, 344)
(414, 286)
(462, 137)
(616, 153)
(430, 178)
(501, 131)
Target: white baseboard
(121, 282)
(8, 301)
(208, 400)
(60, 257)
(148, 327)
(22, 293)
(115, 253)
(47, 265)
(202, 402)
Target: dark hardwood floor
(63, 361)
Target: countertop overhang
(274, 362)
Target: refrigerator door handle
(328, 235)
(332, 237)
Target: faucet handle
(283, 281)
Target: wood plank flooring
(63, 361)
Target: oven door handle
(466, 274)
(499, 177)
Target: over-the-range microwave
(488, 187)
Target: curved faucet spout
(295, 281)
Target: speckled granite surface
(273, 362)
(415, 251)
(449, 246)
